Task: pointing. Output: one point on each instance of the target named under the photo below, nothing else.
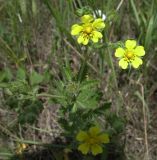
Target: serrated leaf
(87, 99)
(67, 73)
(88, 84)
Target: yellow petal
(130, 44)
(84, 148)
(103, 138)
(81, 136)
(123, 63)
(99, 23)
(119, 52)
(96, 36)
(76, 29)
(96, 149)
(136, 62)
(83, 40)
(93, 131)
(80, 39)
(139, 51)
(87, 18)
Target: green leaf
(84, 10)
(97, 45)
(67, 73)
(87, 99)
(21, 74)
(117, 123)
(35, 78)
(88, 84)
(8, 74)
(102, 108)
(29, 111)
(2, 76)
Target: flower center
(129, 55)
(88, 29)
(92, 141)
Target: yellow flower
(130, 55)
(20, 148)
(92, 140)
(88, 29)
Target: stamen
(129, 55)
(88, 30)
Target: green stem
(40, 143)
(49, 95)
(83, 68)
(114, 77)
(114, 80)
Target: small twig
(119, 5)
(141, 97)
(145, 123)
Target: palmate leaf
(79, 95)
(87, 99)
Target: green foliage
(79, 98)
(77, 94)
(84, 10)
(25, 84)
(29, 111)
(35, 78)
(21, 93)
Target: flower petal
(76, 29)
(139, 51)
(87, 18)
(123, 63)
(136, 62)
(119, 52)
(96, 36)
(99, 23)
(83, 40)
(84, 148)
(103, 138)
(96, 149)
(93, 131)
(80, 39)
(130, 44)
(81, 136)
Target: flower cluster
(88, 29)
(92, 140)
(130, 55)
